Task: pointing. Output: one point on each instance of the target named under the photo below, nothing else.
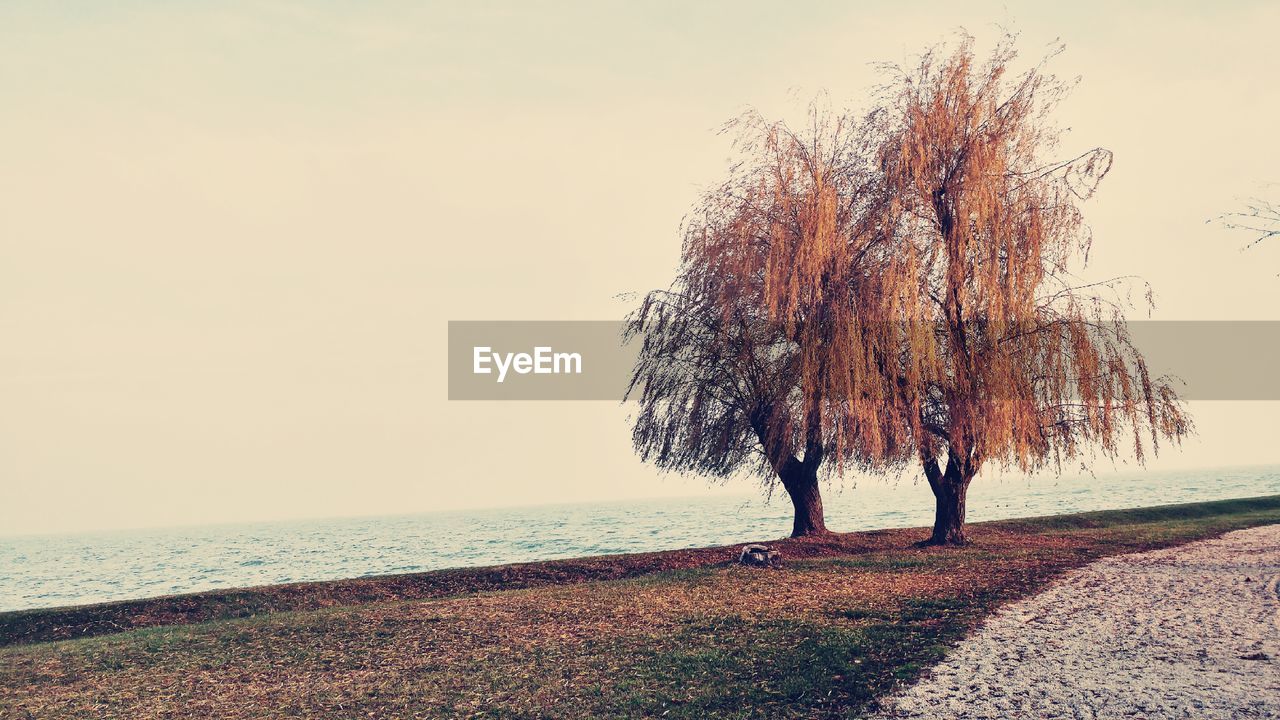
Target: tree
(1260, 218)
(757, 359)
(896, 290)
(1008, 359)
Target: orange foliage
(898, 288)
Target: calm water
(46, 571)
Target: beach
(1181, 632)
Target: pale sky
(231, 235)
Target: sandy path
(1186, 632)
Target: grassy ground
(677, 635)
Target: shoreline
(75, 570)
(35, 625)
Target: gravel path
(1186, 632)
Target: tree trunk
(801, 484)
(799, 477)
(948, 518)
(950, 489)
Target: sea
(57, 570)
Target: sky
(232, 234)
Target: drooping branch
(1259, 218)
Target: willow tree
(759, 358)
(1008, 358)
(1259, 218)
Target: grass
(677, 635)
